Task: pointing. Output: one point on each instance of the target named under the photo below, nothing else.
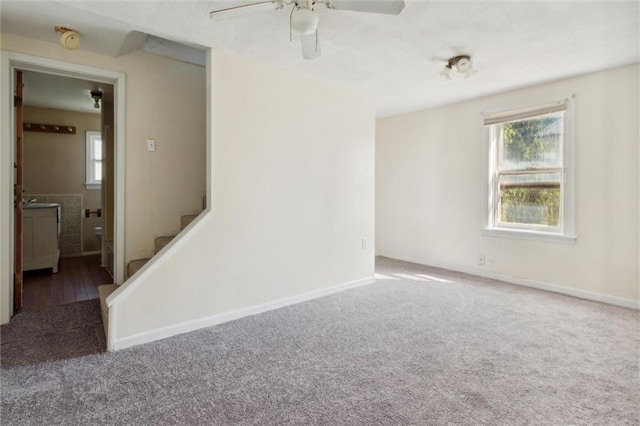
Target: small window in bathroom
(94, 160)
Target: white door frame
(9, 63)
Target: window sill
(93, 185)
(521, 234)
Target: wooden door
(17, 286)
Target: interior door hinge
(17, 101)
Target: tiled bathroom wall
(70, 220)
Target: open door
(17, 280)
(11, 267)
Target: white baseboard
(185, 327)
(583, 294)
(89, 253)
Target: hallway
(77, 280)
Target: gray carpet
(420, 346)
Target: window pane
(532, 144)
(97, 170)
(530, 199)
(97, 149)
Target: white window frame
(565, 232)
(91, 181)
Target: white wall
(292, 176)
(430, 181)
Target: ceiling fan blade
(310, 45)
(387, 7)
(245, 9)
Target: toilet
(97, 231)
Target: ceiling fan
(303, 21)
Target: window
(531, 173)
(94, 160)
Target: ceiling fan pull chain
(290, 18)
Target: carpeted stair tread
(161, 242)
(186, 220)
(134, 266)
(104, 291)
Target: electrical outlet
(481, 259)
(365, 244)
(492, 262)
(151, 145)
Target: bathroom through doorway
(68, 189)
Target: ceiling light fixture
(461, 64)
(96, 95)
(304, 21)
(70, 39)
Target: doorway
(67, 173)
(110, 249)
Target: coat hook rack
(49, 128)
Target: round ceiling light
(303, 21)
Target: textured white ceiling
(54, 91)
(37, 19)
(396, 60)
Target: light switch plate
(151, 145)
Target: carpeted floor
(420, 346)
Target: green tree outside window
(530, 191)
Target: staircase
(133, 266)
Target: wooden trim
(17, 282)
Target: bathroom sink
(39, 205)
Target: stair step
(186, 220)
(161, 242)
(104, 291)
(134, 266)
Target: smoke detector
(70, 39)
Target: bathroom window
(94, 160)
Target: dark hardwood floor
(77, 279)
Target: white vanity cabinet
(40, 235)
